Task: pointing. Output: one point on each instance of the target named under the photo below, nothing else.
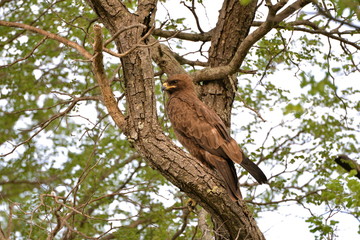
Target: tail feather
(254, 170)
(228, 172)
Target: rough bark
(232, 27)
(142, 129)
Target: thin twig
(121, 31)
(27, 56)
(50, 35)
(248, 107)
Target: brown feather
(201, 131)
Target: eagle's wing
(229, 146)
(193, 119)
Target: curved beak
(164, 86)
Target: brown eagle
(201, 131)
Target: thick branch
(166, 60)
(146, 11)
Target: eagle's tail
(228, 172)
(254, 170)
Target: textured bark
(142, 129)
(232, 27)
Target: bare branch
(192, 10)
(121, 31)
(326, 13)
(195, 37)
(330, 35)
(121, 55)
(59, 225)
(183, 60)
(250, 108)
(297, 199)
(86, 98)
(185, 217)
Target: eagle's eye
(173, 82)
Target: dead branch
(99, 71)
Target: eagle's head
(178, 83)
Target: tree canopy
(87, 152)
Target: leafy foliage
(63, 158)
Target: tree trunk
(142, 128)
(232, 27)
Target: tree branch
(27, 55)
(46, 123)
(195, 37)
(185, 217)
(165, 59)
(234, 65)
(192, 10)
(120, 55)
(106, 92)
(53, 36)
(113, 37)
